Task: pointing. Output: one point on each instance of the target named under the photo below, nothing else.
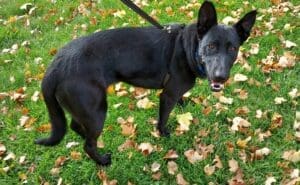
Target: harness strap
(143, 14)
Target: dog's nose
(219, 76)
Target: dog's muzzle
(216, 86)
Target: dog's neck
(193, 57)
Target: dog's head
(219, 44)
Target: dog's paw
(105, 160)
(164, 132)
(45, 142)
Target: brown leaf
(156, 176)
(180, 180)
(239, 123)
(53, 51)
(2, 149)
(146, 148)
(128, 129)
(207, 110)
(292, 155)
(243, 143)
(171, 154)
(127, 145)
(172, 167)
(276, 121)
(60, 161)
(240, 78)
(233, 165)
(155, 167)
(260, 153)
(242, 110)
(44, 128)
(217, 162)
(193, 156)
(209, 170)
(75, 155)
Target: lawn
(247, 134)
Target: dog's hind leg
(76, 127)
(56, 114)
(88, 113)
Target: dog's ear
(207, 18)
(243, 27)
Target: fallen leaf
(146, 148)
(145, 103)
(207, 110)
(156, 176)
(292, 155)
(193, 156)
(9, 156)
(260, 153)
(293, 93)
(243, 143)
(119, 13)
(270, 180)
(128, 129)
(155, 167)
(180, 180)
(55, 171)
(171, 154)
(2, 149)
(44, 128)
(127, 145)
(279, 100)
(276, 121)
(75, 155)
(217, 162)
(172, 167)
(60, 161)
(254, 49)
(209, 170)
(71, 144)
(289, 44)
(22, 160)
(226, 100)
(238, 123)
(184, 121)
(242, 110)
(233, 165)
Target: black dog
(145, 57)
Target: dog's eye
(232, 48)
(211, 46)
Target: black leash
(143, 14)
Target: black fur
(145, 57)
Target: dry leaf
(155, 167)
(226, 100)
(238, 123)
(289, 44)
(276, 121)
(44, 128)
(172, 167)
(260, 153)
(209, 170)
(128, 129)
(243, 143)
(217, 162)
(240, 78)
(75, 155)
(146, 148)
(254, 49)
(171, 154)
(180, 180)
(193, 156)
(292, 155)
(71, 144)
(9, 156)
(145, 103)
(156, 176)
(293, 93)
(60, 161)
(119, 13)
(207, 110)
(127, 145)
(184, 121)
(279, 100)
(270, 180)
(242, 110)
(233, 165)
(2, 149)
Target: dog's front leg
(168, 99)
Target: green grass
(41, 159)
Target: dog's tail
(56, 113)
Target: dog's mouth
(216, 86)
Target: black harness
(200, 67)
